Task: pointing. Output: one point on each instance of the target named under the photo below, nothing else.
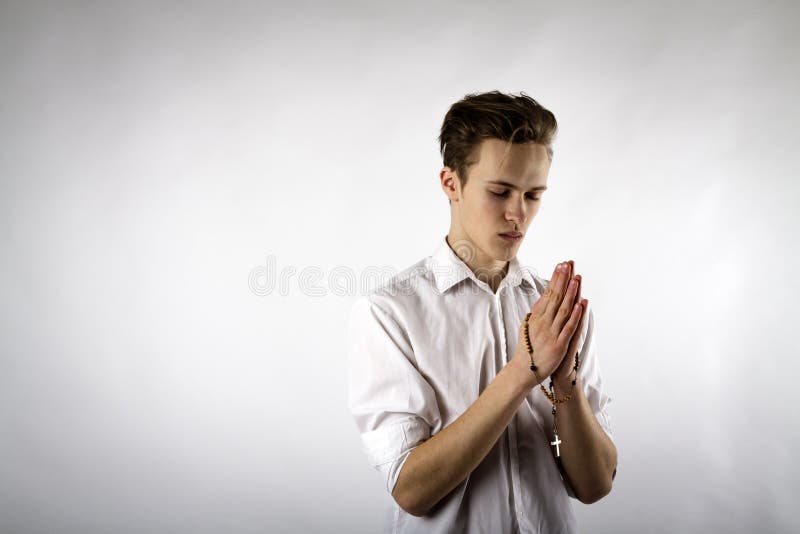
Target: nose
(515, 212)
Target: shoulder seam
(418, 269)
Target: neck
(485, 268)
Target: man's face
(503, 194)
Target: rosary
(551, 396)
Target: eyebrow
(512, 186)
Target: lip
(511, 237)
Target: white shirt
(422, 348)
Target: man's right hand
(554, 318)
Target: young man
(462, 368)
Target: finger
(574, 340)
(572, 324)
(551, 285)
(572, 276)
(566, 306)
(579, 300)
(569, 267)
(550, 290)
(584, 304)
(579, 280)
(540, 306)
(555, 271)
(558, 284)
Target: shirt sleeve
(394, 407)
(592, 377)
(592, 380)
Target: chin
(506, 253)
(504, 245)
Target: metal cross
(556, 443)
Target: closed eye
(504, 194)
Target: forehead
(509, 161)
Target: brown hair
(478, 116)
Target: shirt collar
(449, 270)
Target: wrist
(524, 377)
(563, 386)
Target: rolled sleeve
(592, 377)
(394, 407)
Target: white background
(155, 158)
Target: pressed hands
(554, 327)
(439, 464)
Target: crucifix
(557, 442)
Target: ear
(450, 184)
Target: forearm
(438, 465)
(588, 455)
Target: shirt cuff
(388, 446)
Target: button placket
(512, 426)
